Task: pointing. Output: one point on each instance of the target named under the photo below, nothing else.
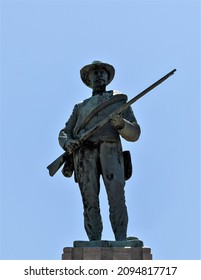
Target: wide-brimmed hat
(84, 72)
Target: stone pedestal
(107, 250)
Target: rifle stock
(56, 164)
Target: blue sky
(44, 44)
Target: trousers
(91, 161)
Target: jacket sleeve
(67, 132)
(131, 129)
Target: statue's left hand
(116, 120)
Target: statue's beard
(99, 86)
(98, 90)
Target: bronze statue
(101, 153)
(92, 145)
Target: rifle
(56, 164)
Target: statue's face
(98, 78)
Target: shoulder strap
(100, 107)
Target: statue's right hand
(71, 145)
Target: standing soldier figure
(101, 153)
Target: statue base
(107, 250)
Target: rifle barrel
(134, 99)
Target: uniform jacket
(107, 132)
